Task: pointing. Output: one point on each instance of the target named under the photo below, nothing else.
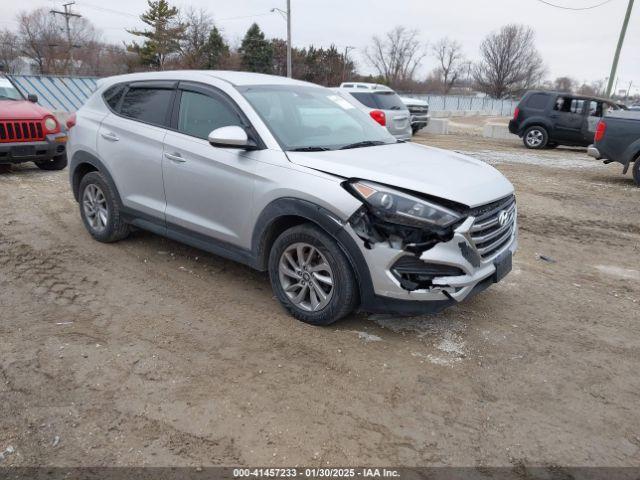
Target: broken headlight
(402, 208)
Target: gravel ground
(148, 352)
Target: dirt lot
(147, 352)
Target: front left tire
(311, 276)
(56, 163)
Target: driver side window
(200, 114)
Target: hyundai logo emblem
(503, 218)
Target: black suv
(549, 119)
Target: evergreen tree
(216, 50)
(163, 38)
(256, 51)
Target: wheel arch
(84, 162)
(285, 213)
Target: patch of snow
(619, 272)
(368, 337)
(567, 160)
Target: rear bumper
(20, 152)
(592, 151)
(514, 127)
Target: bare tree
(510, 61)
(9, 52)
(565, 84)
(451, 62)
(44, 43)
(193, 45)
(41, 40)
(397, 55)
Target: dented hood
(428, 170)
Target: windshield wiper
(364, 143)
(310, 149)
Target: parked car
(419, 110)
(548, 119)
(382, 104)
(287, 177)
(29, 132)
(635, 108)
(617, 139)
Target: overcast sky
(575, 43)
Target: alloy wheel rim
(94, 204)
(534, 138)
(306, 277)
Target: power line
(562, 7)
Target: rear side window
(149, 105)
(381, 100)
(537, 101)
(389, 101)
(112, 95)
(201, 114)
(367, 99)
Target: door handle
(174, 157)
(112, 137)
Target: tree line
(508, 62)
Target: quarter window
(201, 114)
(149, 105)
(537, 101)
(112, 95)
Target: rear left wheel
(636, 171)
(100, 209)
(535, 137)
(56, 163)
(311, 276)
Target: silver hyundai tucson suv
(288, 177)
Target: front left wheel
(311, 276)
(56, 163)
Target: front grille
(21, 131)
(418, 110)
(414, 274)
(489, 236)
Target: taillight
(71, 121)
(600, 130)
(516, 113)
(379, 116)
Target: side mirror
(231, 137)
(32, 97)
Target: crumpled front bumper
(445, 291)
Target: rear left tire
(535, 138)
(100, 209)
(56, 163)
(636, 171)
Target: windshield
(381, 100)
(8, 91)
(314, 118)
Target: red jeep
(28, 132)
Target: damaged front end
(421, 248)
(404, 222)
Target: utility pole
(616, 58)
(289, 59)
(287, 16)
(67, 14)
